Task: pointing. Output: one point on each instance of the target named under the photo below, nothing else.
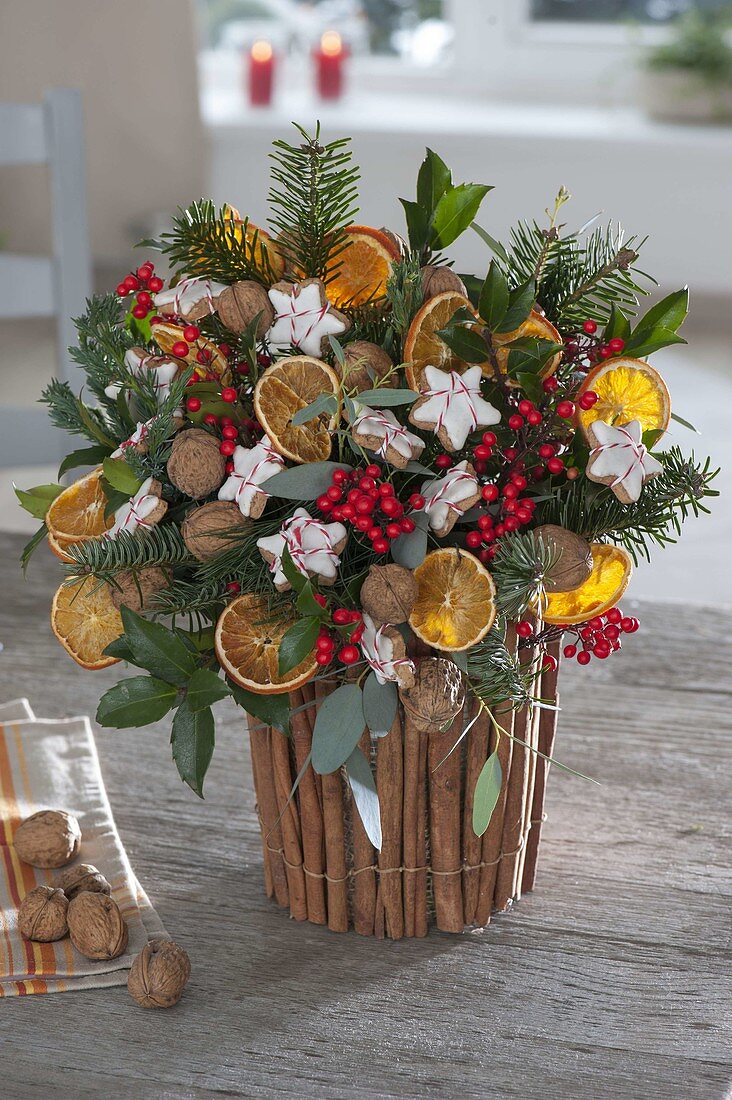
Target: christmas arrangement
(374, 502)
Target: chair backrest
(50, 132)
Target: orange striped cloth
(46, 764)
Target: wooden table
(611, 980)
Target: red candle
(329, 60)
(261, 74)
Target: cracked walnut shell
(49, 838)
(159, 974)
(42, 915)
(96, 926)
(83, 876)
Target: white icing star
(385, 426)
(311, 545)
(447, 494)
(134, 513)
(141, 433)
(252, 466)
(378, 649)
(455, 404)
(188, 293)
(301, 319)
(621, 454)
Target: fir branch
(216, 243)
(240, 559)
(313, 197)
(519, 570)
(186, 597)
(496, 676)
(64, 412)
(103, 558)
(405, 294)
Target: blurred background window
(614, 11)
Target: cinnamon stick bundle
(532, 738)
(267, 863)
(476, 755)
(335, 838)
(547, 733)
(290, 825)
(364, 855)
(311, 817)
(389, 785)
(260, 738)
(444, 796)
(420, 851)
(411, 813)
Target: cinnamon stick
(444, 796)
(259, 739)
(335, 838)
(389, 785)
(532, 738)
(311, 817)
(364, 883)
(476, 755)
(290, 824)
(268, 882)
(547, 733)
(410, 829)
(420, 851)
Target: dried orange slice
(267, 255)
(85, 621)
(627, 389)
(537, 325)
(361, 269)
(612, 568)
(456, 600)
(284, 388)
(78, 512)
(423, 347)
(59, 547)
(248, 636)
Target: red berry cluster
(349, 625)
(144, 281)
(369, 504)
(514, 511)
(600, 636)
(583, 349)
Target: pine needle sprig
(313, 197)
(215, 243)
(104, 558)
(239, 558)
(187, 597)
(496, 676)
(405, 294)
(65, 412)
(519, 570)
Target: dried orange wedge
(627, 389)
(456, 600)
(248, 636)
(85, 621)
(361, 269)
(423, 347)
(283, 389)
(78, 512)
(612, 568)
(537, 325)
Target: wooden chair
(50, 133)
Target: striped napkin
(46, 764)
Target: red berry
(155, 284)
(225, 350)
(565, 409)
(193, 404)
(555, 465)
(228, 394)
(139, 312)
(534, 418)
(348, 654)
(524, 629)
(482, 451)
(489, 492)
(323, 657)
(510, 453)
(363, 523)
(546, 450)
(389, 506)
(145, 270)
(614, 615)
(525, 407)
(590, 327)
(550, 663)
(512, 523)
(210, 419)
(473, 539)
(348, 511)
(230, 432)
(319, 599)
(191, 333)
(386, 489)
(490, 439)
(324, 504)
(131, 282)
(233, 586)
(443, 462)
(333, 493)
(374, 532)
(364, 506)
(337, 513)
(611, 632)
(485, 522)
(226, 421)
(416, 501)
(584, 657)
(550, 385)
(227, 447)
(519, 481)
(407, 525)
(180, 349)
(229, 467)
(122, 290)
(515, 422)
(616, 344)
(372, 470)
(144, 299)
(605, 352)
(626, 624)
(380, 546)
(570, 650)
(393, 531)
(510, 491)
(366, 484)
(595, 623)
(341, 616)
(339, 477)
(601, 650)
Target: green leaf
(651, 437)
(433, 180)
(410, 549)
(121, 476)
(455, 211)
(361, 780)
(93, 427)
(493, 301)
(114, 499)
(379, 705)
(157, 649)
(618, 325)
(530, 383)
(305, 482)
(205, 688)
(32, 544)
(271, 710)
(135, 702)
(467, 344)
(418, 224)
(670, 313)
(86, 456)
(337, 349)
(297, 643)
(641, 344)
(296, 579)
(306, 603)
(383, 397)
(192, 739)
(684, 423)
(520, 304)
(324, 404)
(338, 728)
(37, 501)
(487, 790)
(495, 246)
(120, 649)
(461, 660)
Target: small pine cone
(96, 926)
(389, 593)
(137, 589)
(159, 974)
(204, 530)
(83, 876)
(364, 367)
(196, 465)
(437, 696)
(42, 915)
(438, 280)
(241, 303)
(49, 838)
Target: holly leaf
(86, 456)
(454, 212)
(670, 313)
(418, 224)
(379, 705)
(641, 344)
(618, 326)
(338, 728)
(306, 603)
(38, 500)
(295, 578)
(297, 643)
(363, 787)
(433, 180)
(271, 710)
(305, 482)
(157, 649)
(520, 303)
(494, 295)
(485, 796)
(120, 476)
(466, 343)
(192, 739)
(205, 688)
(120, 649)
(135, 702)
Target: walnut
(137, 589)
(241, 303)
(364, 367)
(50, 838)
(96, 926)
(159, 974)
(196, 466)
(437, 280)
(437, 696)
(574, 563)
(398, 242)
(389, 593)
(42, 915)
(83, 876)
(205, 530)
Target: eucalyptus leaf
(306, 482)
(454, 212)
(410, 549)
(93, 427)
(361, 780)
(337, 350)
(684, 423)
(205, 688)
(38, 500)
(192, 740)
(338, 728)
(157, 649)
(379, 705)
(486, 794)
(121, 476)
(86, 456)
(297, 643)
(324, 404)
(384, 397)
(135, 702)
(271, 710)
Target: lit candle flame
(331, 44)
(261, 51)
